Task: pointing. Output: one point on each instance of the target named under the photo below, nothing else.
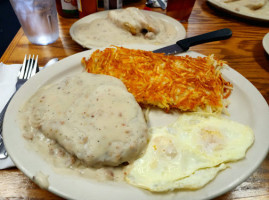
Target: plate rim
(58, 69)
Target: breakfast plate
(247, 106)
(178, 33)
(245, 13)
(265, 43)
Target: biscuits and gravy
(93, 117)
(126, 26)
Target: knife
(185, 44)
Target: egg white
(189, 153)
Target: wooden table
(244, 52)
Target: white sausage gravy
(86, 124)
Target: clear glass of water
(38, 19)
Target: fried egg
(189, 153)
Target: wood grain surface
(243, 52)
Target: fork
(28, 69)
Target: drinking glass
(180, 9)
(38, 19)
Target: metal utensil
(162, 4)
(50, 62)
(185, 44)
(28, 69)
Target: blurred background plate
(265, 43)
(252, 16)
(181, 32)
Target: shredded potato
(182, 82)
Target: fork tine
(27, 67)
(31, 61)
(34, 69)
(22, 71)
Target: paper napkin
(8, 78)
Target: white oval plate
(247, 106)
(224, 7)
(265, 43)
(181, 32)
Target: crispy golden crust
(182, 82)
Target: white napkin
(8, 78)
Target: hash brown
(181, 82)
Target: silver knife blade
(172, 49)
(185, 44)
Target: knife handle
(221, 34)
